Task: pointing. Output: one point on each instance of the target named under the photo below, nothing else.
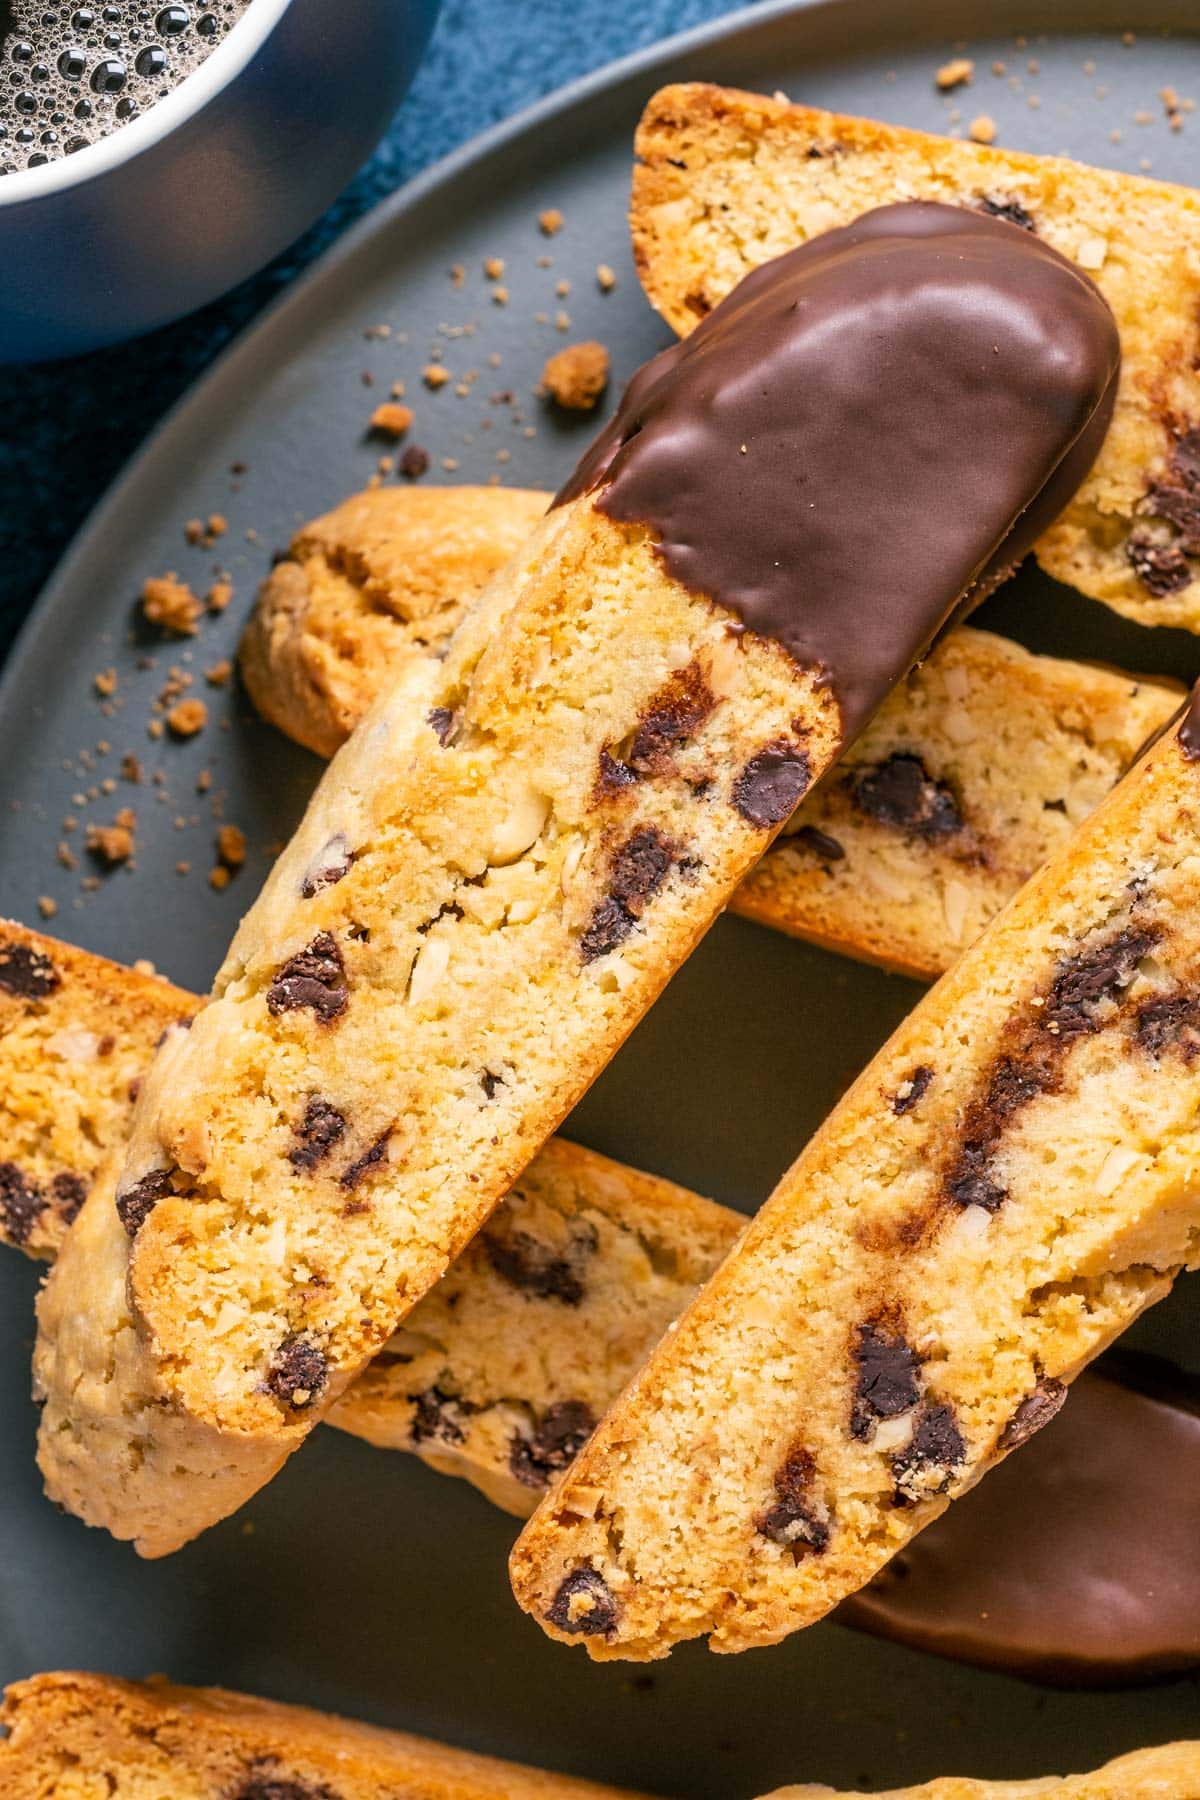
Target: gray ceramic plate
(359, 1580)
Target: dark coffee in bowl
(70, 74)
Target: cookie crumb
(219, 595)
(131, 768)
(414, 462)
(170, 604)
(982, 130)
(955, 73)
(500, 296)
(187, 718)
(46, 906)
(105, 683)
(576, 377)
(219, 674)
(493, 267)
(606, 278)
(391, 420)
(550, 222)
(113, 844)
(231, 846)
(458, 274)
(219, 878)
(435, 376)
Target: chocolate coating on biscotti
(1189, 728)
(867, 432)
(1077, 1562)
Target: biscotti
(76, 1034)
(974, 771)
(1166, 1772)
(726, 179)
(92, 1737)
(522, 841)
(383, 577)
(500, 1373)
(1008, 1184)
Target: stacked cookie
(569, 738)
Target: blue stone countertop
(68, 427)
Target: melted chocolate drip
(1077, 1561)
(866, 436)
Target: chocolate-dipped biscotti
(973, 772)
(725, 180)
(500, 1373)
(1008, 1184)
(522, 841)
(92, 1737)
(1166, 1772)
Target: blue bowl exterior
(193, 214)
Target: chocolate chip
(636, 872)
(584, 1604)
(362, 1165)
(613, 775)
(438, 1417)
(318, 1131)
(259, 1785)
(772, 784)
(1169, 1023)
(795, 1519)
(972, 1181)
(674, 715)
(928, 1465)
(68, 1191)
(901, 792)
(1176, 497)
(330, 865)
(313, 978)
(1095, 977)
(136, 1203)
(27, 973)
(1012, 210)
(819, 842)
(22, 1203)
(440, 720)
(887, 1383)
(564, 1429)
(538, 1269)
(298, 1373)
(1036, 1409)
(1161, 568)
(912, 1091)
(490, 1083)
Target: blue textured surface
(67, 428)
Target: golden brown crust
(726, 180)
(383, 577)
(93, 1737)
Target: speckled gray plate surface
(359, 1580)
